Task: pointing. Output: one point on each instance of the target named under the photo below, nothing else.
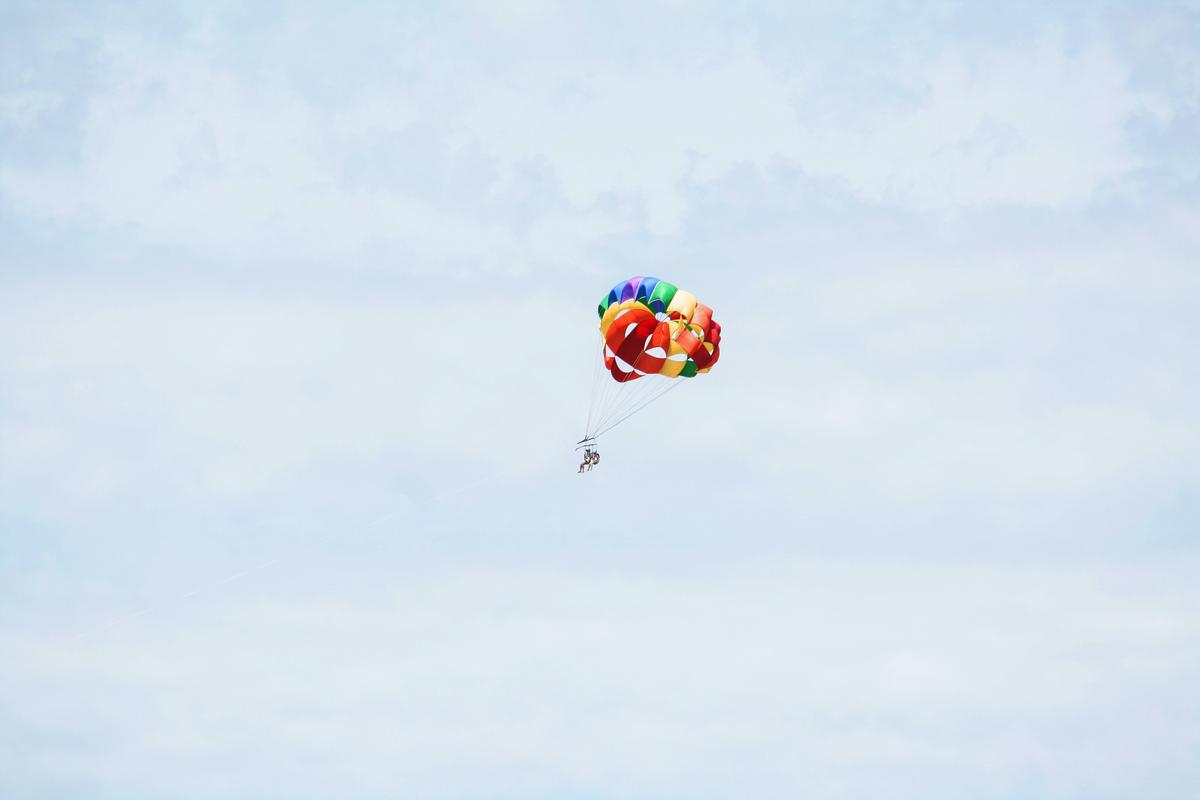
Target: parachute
(652, 336)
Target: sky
(297, 313)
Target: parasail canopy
(652, 333)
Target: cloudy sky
(296, 309)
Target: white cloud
(217, 399)
(827, 678)
(313, 298)
(984, 129)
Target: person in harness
(589, 459)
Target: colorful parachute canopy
(651, 327)
(651, 332)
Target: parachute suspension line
(630, 396)
(635, 392)
(624, 399)
(607, 394)
(597, 372)
(609, 390)
(671, 386)
(606, 386)
(631, 399)
(621, 395)
(634, 410)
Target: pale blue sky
(296, 303)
